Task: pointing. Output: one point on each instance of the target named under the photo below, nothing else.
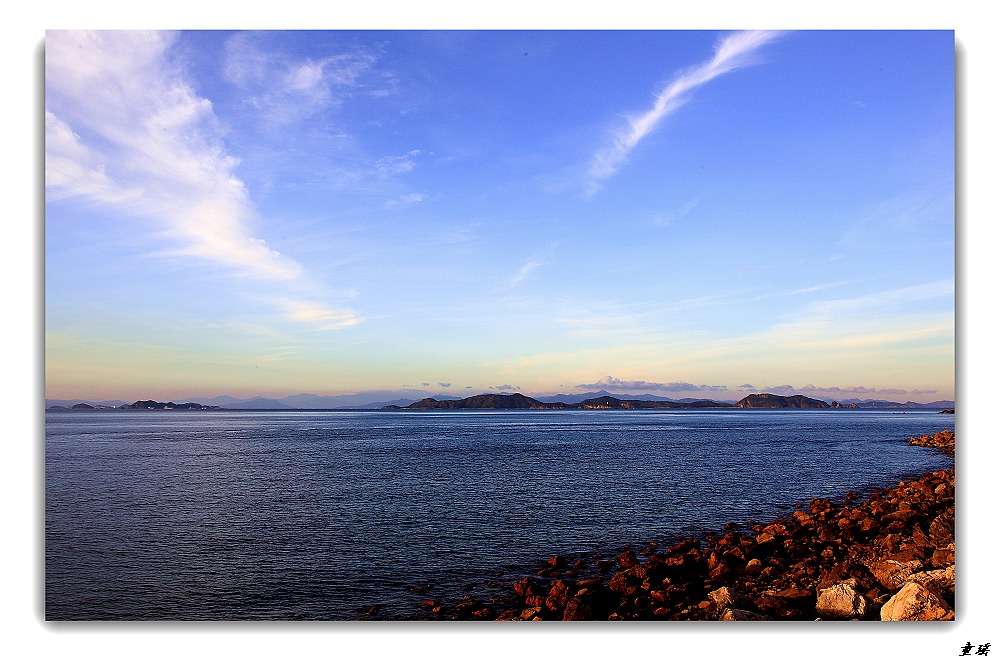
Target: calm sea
(322, 515)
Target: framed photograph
(500, 325)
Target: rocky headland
(885, 555)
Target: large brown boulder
(841, 601)
(916, 603)
(727, 597)
(622, 584)
(944, 556)
(942, 529)
(892, 573)
(940, 581)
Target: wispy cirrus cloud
(126, 130)
(670, 217)
(922, 208)
(319, 315)
(822, 314)
(524, 271)
(72, 168)
(392, 165)
(733, 52)
(284, 90)
(859, 390)
(406, 200)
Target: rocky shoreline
(889, 556)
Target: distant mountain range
(519, 401)
(415, 399)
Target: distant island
(776, 401)
(518, 401)
(138, 405)
(765, 400)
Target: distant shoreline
(517, 401)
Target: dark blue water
(320, 515)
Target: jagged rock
(944, 556)
(940, 581)
(892, 574)
(727, 597)
(526, 586)
(621, 584)
(841, 601)
(535, 600)
(942, 529)
(921, 538)
(530, 613)
(793, 594)
(627, 559)
(577, 609)
(915, 602)
(738, 615)
(787, 603)
(903, 516)
(558, 596)
(638, 572)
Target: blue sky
(692, 213)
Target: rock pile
(943, 440)
(890, 557)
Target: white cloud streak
(71, 168)
(151, 147)
(320, 316)
(406, 200)
(284, 91)
(877, 303)
(125, 130)
(526, 269)
(733, 52)
(392, 165)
